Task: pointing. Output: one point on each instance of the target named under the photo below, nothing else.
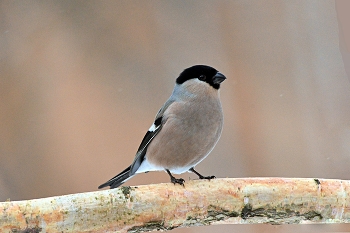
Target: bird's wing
(151, 133)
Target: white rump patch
(148, 167)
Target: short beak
(218, 78)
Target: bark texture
(167, 206)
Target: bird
(185, 130)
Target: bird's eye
(202, 77)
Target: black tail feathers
(118, 179)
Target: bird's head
(203, 73)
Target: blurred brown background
(81, 82)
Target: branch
(168, 206)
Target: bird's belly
(180, 145)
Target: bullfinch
(185, 129)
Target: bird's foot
(174, 180)
(178, 181)
(202, 177)
(207, 177)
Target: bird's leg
(200, 176)
(174, 180)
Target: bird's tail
(118, 179)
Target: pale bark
(168, 206)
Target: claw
(173, 180)
(178, 181)
(207, 177)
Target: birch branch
(167, 206)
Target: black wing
(141, 152)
